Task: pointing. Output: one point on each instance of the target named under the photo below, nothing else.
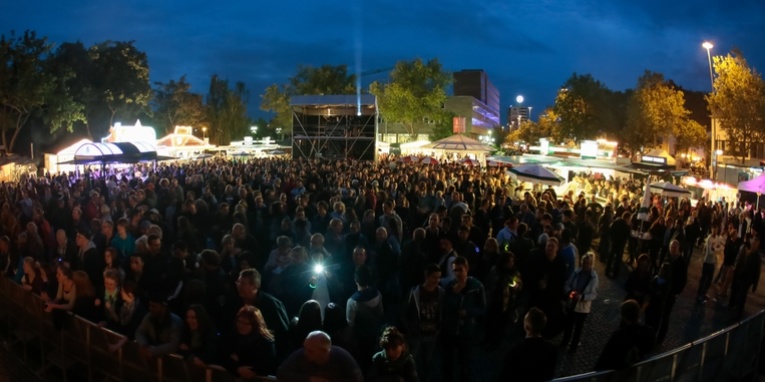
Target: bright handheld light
(318, 268)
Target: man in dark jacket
(746, 275)
(620, 234)
(464, 305)
(422, 319)
(248, 286)
(630, 343)
(88, 259)
(533, 358)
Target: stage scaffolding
(334, 127)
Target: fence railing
(731, 354)
(84, 348)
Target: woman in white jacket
(581, 289)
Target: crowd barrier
(83, 348)
(731, 354)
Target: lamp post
(204, 133)
(713, 130)
(708, 46)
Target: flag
(644, 213)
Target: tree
(324, 80)
(738, 102)
(176, 105)
(657, 110)
(227, 111)
(691, 134)
(111, 80)
(122, 79)
(444, 125)
(584, 109)
(416, 89)
(530, 132)
(28, 87)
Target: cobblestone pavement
(689, 321)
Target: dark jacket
(401, 370)
(471, 299)
(532, 359)
(251, 350)
(628, 345)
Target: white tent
(460, 144)
(669, 189)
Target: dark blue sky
(527, 47)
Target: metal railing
(87, 348)
(731, 354)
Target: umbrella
(470, 162)
(429, 160)
(409, 159)
(669, 189)
(495, 163)
(534, 173)
(204, 156)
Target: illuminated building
(477, 100)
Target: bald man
(319, 361)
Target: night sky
(527, 47)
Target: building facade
(476, 99)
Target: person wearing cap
(160, 331)
(88, 259)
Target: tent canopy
(114, 152)
(756, 185)
(669, 189)
(657, 158)
(459, 143)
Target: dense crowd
(345, 270)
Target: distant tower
(517, 115)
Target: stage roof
(338, 100)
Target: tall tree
(443, 125)
(548, 126)
(657, 110)
(29, 87)
(584, 109)
(227, 110)
(738, 103)
(691, 134)
(415, 89)
(176, 105)
(111, 80)
(309, 80)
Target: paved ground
(689, 321)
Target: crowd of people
(346, 270)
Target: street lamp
(715, 153)
(708, 46)
(519, 99)
(204, 133)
